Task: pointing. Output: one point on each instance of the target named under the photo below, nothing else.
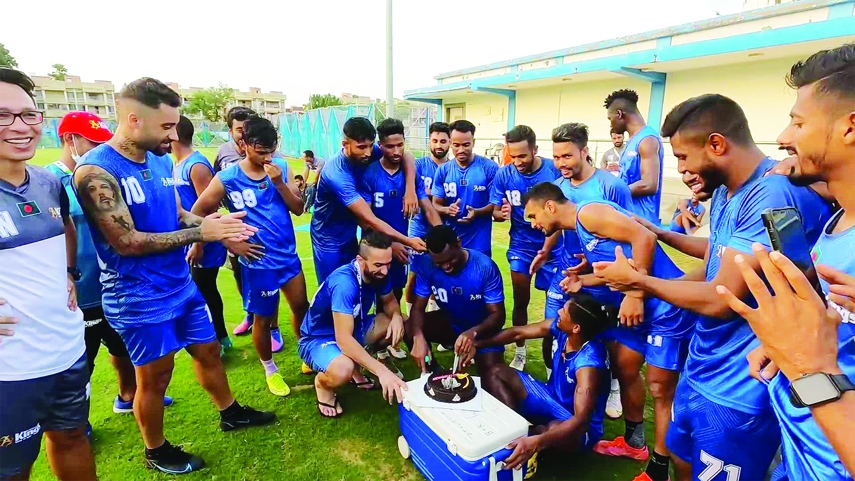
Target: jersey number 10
(133, 191)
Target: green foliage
(59, 72)
(210, 102)
(317, 101)
(6, 58)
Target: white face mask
(74, 155)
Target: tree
(210, 102)
(317, 101)
(6, 58)
(59, 72)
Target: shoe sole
(608, 452)
(131, 409)
(151, 465)
(229, 427)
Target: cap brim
(98, 136)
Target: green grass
(301, 445)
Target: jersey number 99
(243, 199)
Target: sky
(317, 46)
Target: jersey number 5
(243, 199)
(378, 199)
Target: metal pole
(390, 99)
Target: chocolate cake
(450, 388)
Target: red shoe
(644, 477)
(618, 447)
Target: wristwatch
(75, 273)
(818, 388)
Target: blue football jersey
(471, 185)
(806, 451)
(716, 366)
(387, 194)
(150, 288)
(562, 383)
(465, 294)
(646, 206)
(215, 252)
(512, 185)
(600, 186)
(425, 171)
(265, 210)
(660, 318)
(343, 292)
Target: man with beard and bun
(127, 191)
(710, 138)
(340, 322)
(799, 335)
(461, 190)
(510, 185)
(641, 160)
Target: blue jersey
(646, 206)
(343, 292)
(387, 195)
(600, 186)
(562, 383)
(333, 225)
(470, 185)
(660, 318)
(265, 210)
(464, 295)
(215, 252)
(425, 170)
(716, 366)
(695, 210)
(807, 453)
(150, 288)
(511, 185)
(89, 285)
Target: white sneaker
(614, 409)
(396, 353)
(442, 348)
(519, 362)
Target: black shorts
(98, 331)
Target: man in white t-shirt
(611, 159)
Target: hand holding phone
(787, 236)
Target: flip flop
(335, 405)
(367, 385)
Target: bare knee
(661, 383)
(340, 370)
(67, 439)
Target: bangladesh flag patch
(262, 185)
(29, 208)
(146, 174)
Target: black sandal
(335, 406)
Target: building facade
(269, 104)
(58, 97)
(744, 56)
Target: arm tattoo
(106, 209)
(188, 219)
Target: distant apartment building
(347, 99)
(58, 97)
(269, 104)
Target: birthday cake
(450, 388)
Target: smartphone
(786, 235)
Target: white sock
(615, 385)
(269, 367)
(548, 373)
(520, 351)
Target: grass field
(301, 445)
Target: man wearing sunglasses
(44, 379)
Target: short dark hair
(185, 131)
(699, 117)
(462, 125)
(521, 133)
(543, 192)
(238, 113)
(833, 72)
(623, 99)
(375, 239)
(151, 93)
(588, 314)
(615, 132)
(440, 127)
(309, 154)
(574, 132)
(260, 132)
(298, 177)
(359, 129)
(17, 78)
(389, 127)
(439, 237)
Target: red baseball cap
(85, 124)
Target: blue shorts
(150, 342)
(718, 440)
(541, 407)
(260, 287)
(326, 261)
(675, 227)
(27, 408)
(318, 352)
(667, 353)
(555, 299)
(520, 261)
(398, 275)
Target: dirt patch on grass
(352, 452)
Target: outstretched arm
(518, 333)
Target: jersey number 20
(243, 199)
(441, 294)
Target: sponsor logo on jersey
(592, 245)
(846, 317)
(6, 441)
(55, 212)
(480, 188)
(27, 433)
(167, 181)
(269, 293)
(474, 297)
(554, 295)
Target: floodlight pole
(390, 99)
